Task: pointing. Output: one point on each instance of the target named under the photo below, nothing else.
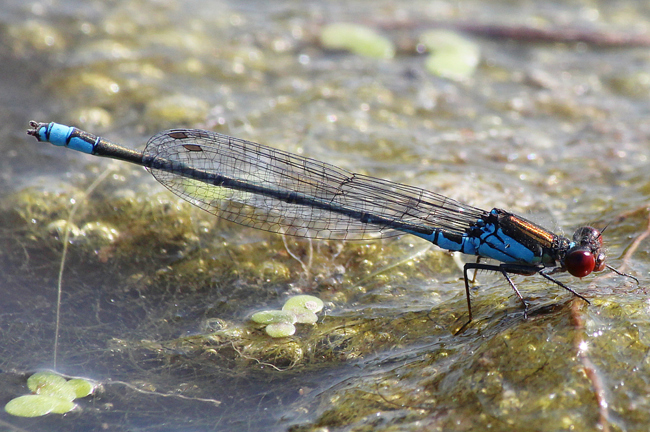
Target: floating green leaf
(38, 405)
(50, 384)
(302, 302)
(53, 394)
(280, 330)
(44, 379)
(61, 406)
(452, 55)
(274, 317)
(306, 317)
(59, 390)
(357, 39)
(82, 388)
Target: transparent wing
(269, 189)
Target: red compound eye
(579, 262)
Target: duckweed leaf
(280, 330)
(61, 406)
(274, 317)
(37, 405)
(453, 56)
(303, 302)
(306, 317)
(44, 379)
(58, 390)
(81, 387)
(358, 39)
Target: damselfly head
(586, 255)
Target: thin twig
(582, 346)
(66, 237)
(305, 267)
(634, 246)
(526, 34)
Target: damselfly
(273, 190)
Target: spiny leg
(514, 288)
(504, 269)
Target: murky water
(156, 294)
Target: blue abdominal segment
(61, 135)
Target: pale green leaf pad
(273, 317)
(280, 330)
(358, 39)
(300, 302)
(44, 379)
(452, 57)
(37, 405)
(53, 394)
(82, 388)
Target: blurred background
(537, 107)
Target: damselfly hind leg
(503, 269)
